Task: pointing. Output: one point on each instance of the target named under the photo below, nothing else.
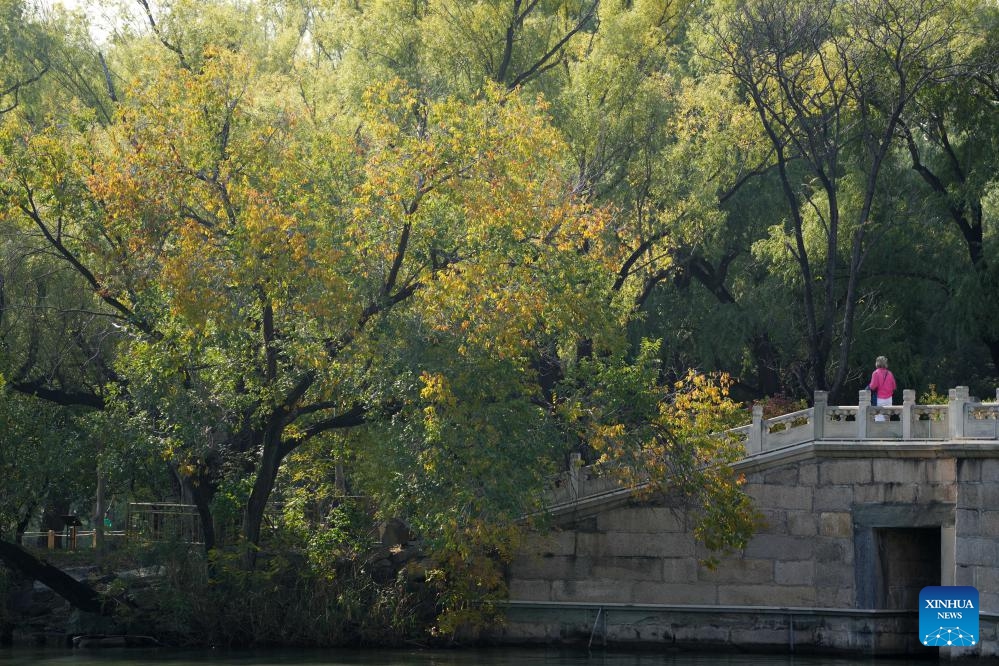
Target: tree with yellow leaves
(271, 271)
(413, 285)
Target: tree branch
(95, 285)
(79, 595)
(526, 75)
(159, 35)
(66, 398)
(353, 417)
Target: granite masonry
(854, 529)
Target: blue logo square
(948, 616)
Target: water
(491, 657)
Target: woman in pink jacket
(882, 384)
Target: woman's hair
(881, 362)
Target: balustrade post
(754, 443)
(863, 402)
(819, 415)
(908, 401)
(575, 462)
(955, 410)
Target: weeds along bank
(364, 591)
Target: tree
(22, 63)
(444, 47)
(33, 438)
(950, 135)
(829, 84)
(265, 267)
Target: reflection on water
(493, 657)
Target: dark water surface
(491, 657)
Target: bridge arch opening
(899, 550)
(908, 560)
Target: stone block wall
(977, 523)
(829, 516)
(803, 556)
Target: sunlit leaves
(277, 268)
(667, 440)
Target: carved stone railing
(963, 417)
(981, 420)
(580, 481)
(780, 431)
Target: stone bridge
(863, 505)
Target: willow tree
(22, 62)
(951, 139)
(829, 83)
(452, 47)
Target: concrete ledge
(870, 449)
(716, 608)
(718, 627)
(593, 504)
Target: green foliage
(778, 405)
(668, 440)
(43, 457)
(339, 538)
(23, 60)
(289, 255)
(931, 397)
(856, 74)
(285, 601)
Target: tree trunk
(99, 507)
(203, 502)
(765, 358)
(79, 595)
(270, 463)
(22, 524)
(993, 346)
